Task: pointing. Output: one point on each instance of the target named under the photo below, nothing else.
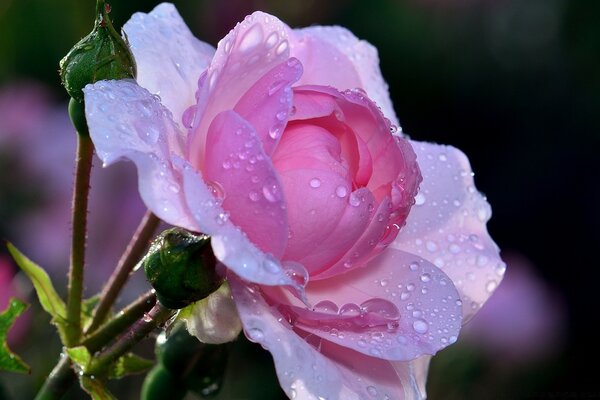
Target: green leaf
(129, 364)
(8, 360)
(49, 299)
(80, 356)
(87, 309)
(95, 388)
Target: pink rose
(278, 145)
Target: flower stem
(124, 319)
(129, 259)
(58, 382)
(85, 150)
(155, 317)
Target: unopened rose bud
(103, 54)
(180, 266)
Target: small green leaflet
(9, 361)
(49, 299)
(129, 364)
(95, 388)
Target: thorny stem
(85, 150)
(129, 259)
(155, 317)
(59, 380)
(124, 319)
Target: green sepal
(49, 299)
(80, 356)
(129, 364)
(87, 309)
(8, 360)
(95, 388)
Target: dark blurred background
(515, 84)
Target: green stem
(129, 259)
(59, 381)
(155, 317)
(124, 320)
(85, 150)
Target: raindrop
(326, 306)
(216, 189)
(271, 40)
(283, 46)
(491, 286)
(253, 195)
(431, 246)
(271, 191)
(419, 199)
(255, 334)
(315, 183)
(275, 86)
(354, 200)
(251, 38)
(420, 326)
(425, 277)
(413, 266)
(271, 264)
(372, 391)
(341, 192)
(350, 310)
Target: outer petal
(309, 367)
(252, 194)
(230, 245)
(333, 56)
(447, 225)
(126, 121)
(169, 58)
(425, 304)
(254, 47)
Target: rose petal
(365, 247)
(230, 245)
(169, 58)
(253, 195)
(309, 367)
(126, 121)
(341, 219)
(251, 49)
(267, 104)
(423, 299)
(333, 56)
(447, 225)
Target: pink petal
(230, 245)
(364, 247)
(447, 225)
(409, 308)
(309, 367)
(126, 121)
(333, 56)
(252, 193)
(267, 104)
(254, 47)
(340, 219)
(169, 58)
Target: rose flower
(352, 252)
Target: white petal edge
(169, 58)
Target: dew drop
(372, 391)
(271, 40)
(425, 277)
(253, 195)
(420, 326)
(251, 39)
(419, 199)
(326, 306)
(491, 286)
(341, 192)
(283, 46)
(354, 200)
(413, 266)
(350, 310)
(315, 183)
(216, 189)
(255, 334)
(271, 191)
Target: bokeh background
(515, 84)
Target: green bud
(103, 54)
(180, 266)
(161, 384)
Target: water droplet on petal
(420, 326)
(326, 306)
(414, 266)
(350, 310)
(425, 277)
(255, 334)
(372, 391)
(419, 199)
(315, 183)
(341, 192)
(251, 38)
(271, 191)
(271, 40)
